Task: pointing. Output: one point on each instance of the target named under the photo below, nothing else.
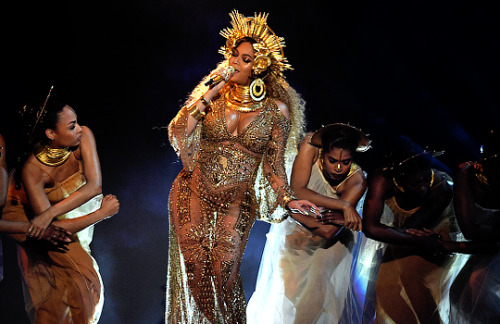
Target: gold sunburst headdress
(268, 47)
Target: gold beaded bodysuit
(213, 204)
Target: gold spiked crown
(268, 47)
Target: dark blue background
(425, 69)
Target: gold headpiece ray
(41, 112)
(33, 117)
(268, 46)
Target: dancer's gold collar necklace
(51, 156)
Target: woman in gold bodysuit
(233, 139)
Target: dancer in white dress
(304, 275)
(474, 295)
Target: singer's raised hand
(222, 75)
(217, 80)
(198, 109)
(213, 90)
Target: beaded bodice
(228, 159)
(254, 137)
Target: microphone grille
(229, 72)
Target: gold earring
(257, 89)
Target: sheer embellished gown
(226, 182)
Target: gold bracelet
(287, 199)
(206, 102)
(196, 113)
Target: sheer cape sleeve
(185, 145)
(272, 190)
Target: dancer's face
(68, 132)
(337, 163)
(417, 181)
(242, 60)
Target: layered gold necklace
(239, 99)
(51, 156)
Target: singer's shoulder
(283, 108)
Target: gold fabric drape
(61, 286)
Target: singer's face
(242, 61)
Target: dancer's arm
(34, 186)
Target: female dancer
(304, 275)
(405, 198)
(61, 178)
(474, 293)
(53, 233)
(233, 139)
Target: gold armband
(196, 113)
(206, 102)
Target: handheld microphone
(224, 76)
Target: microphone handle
(214, 80)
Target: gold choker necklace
(51, 156)
(239, 99)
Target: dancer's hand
(109, 206)
(38, 225)
(332, 217)
(57, 235)
(352, 220)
